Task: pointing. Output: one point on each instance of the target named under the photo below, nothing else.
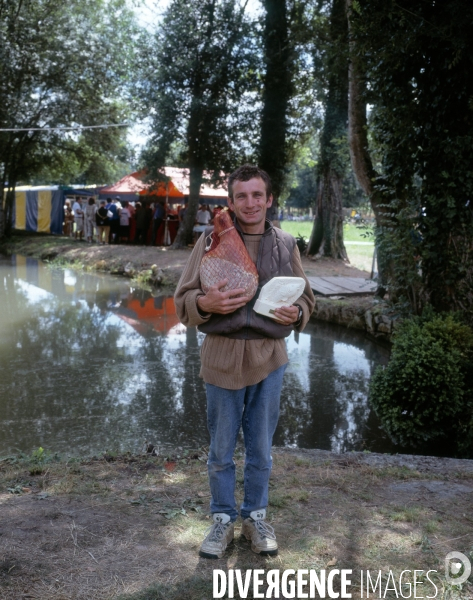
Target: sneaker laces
(265, 530)
(216, 532)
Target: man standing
(158, 219)
(243, 362)
(203, 215)
(78, 219)
(114, 220)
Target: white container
(280, 291)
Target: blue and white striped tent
(42, 208)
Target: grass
(351, 233)
(126, 527)
(361, 257)
(360, 252)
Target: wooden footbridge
(342, 286)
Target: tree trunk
(327, 233)
(8, 211)
(6, 159)
(185, 234)
(195, 140)
(360, 154)
(10, 181)
(2, 211)
(276, 96)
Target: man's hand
(286, 315)
(219, 302)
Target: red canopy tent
(164, 189)
(134, 185)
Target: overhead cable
(76, 128)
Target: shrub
(425, 394)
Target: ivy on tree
(417, 58)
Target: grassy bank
(129, 527)
(359, 245)
(146, 266)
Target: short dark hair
(91, 201)
(247, 172)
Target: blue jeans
(256, 409)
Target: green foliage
(60, 66)
(304, 192)
(198, 71)
(399, 245)
(198, 75)
(38, 455)
(418, 58)
(96, 157)
(425, 394)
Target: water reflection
(88, 363)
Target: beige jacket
(228, 363)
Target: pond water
(88, 363)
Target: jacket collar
(268, 226)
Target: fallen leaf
(332, 563)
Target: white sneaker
(260, 534)
(218, 536)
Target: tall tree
(198, 73)
(327, 234)
(418, 57)
(60, 66)
(277, 93)
(360, 153)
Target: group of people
(113, 221)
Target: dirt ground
(130, 527)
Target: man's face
(250, 204)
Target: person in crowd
(158, 219)
(182, 212)
(125, 216)
(143, 218)
(68, 226)
(171, 212)
(114, 220)
(243, 362)
(203, 215)
(103, 224)
(132, 209)
(78, 219)
(89, 220)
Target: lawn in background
(360, 254)
(351, 233)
